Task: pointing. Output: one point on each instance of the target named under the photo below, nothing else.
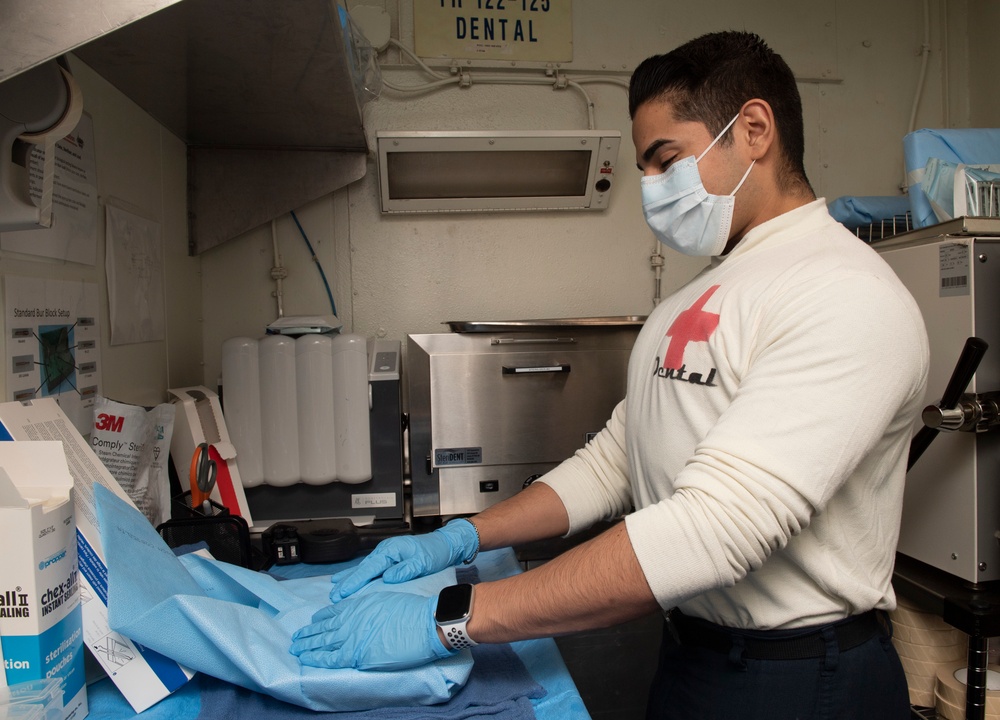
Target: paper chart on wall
(73, 235)
(53, 344)
(134, 265)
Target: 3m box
(41, 631)
(143, 676)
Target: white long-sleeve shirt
(764, 437)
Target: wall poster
(53, 344)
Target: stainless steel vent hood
(262, 92)
(32, 32)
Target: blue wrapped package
(955, 189)
(236, 624)
(976, 146)
(856, 212)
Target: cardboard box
(143, 676)
(41, 631)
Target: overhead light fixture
(481, 171)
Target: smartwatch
(453, 611)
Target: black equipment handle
(968, 362)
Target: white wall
(984, 98)
(858, 63)
(143, 168)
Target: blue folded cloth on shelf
(858, 211)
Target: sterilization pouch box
(144, 677)
(41, 633)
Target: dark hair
(709, 78)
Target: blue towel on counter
(499, 688)
(236, 624)
(105, 702)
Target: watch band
(456, 637)
(452, 614)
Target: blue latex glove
(377, 631)
(404, 558)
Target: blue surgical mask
(682, 214)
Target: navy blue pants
(865, 682)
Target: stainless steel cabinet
(498, 404)
(951, 505)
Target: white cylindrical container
(350, 405)
(314, 386)
(241, 399)
(279, 423)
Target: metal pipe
(278, 272)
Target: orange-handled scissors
(203, 472)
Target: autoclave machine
(494, 405)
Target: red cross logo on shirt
(692, 325)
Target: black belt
(790, 645)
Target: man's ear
(757, 125)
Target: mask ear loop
(717, 138)
(743, 179)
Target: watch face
(454, 603)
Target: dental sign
(511, 30)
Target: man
(762, 443)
